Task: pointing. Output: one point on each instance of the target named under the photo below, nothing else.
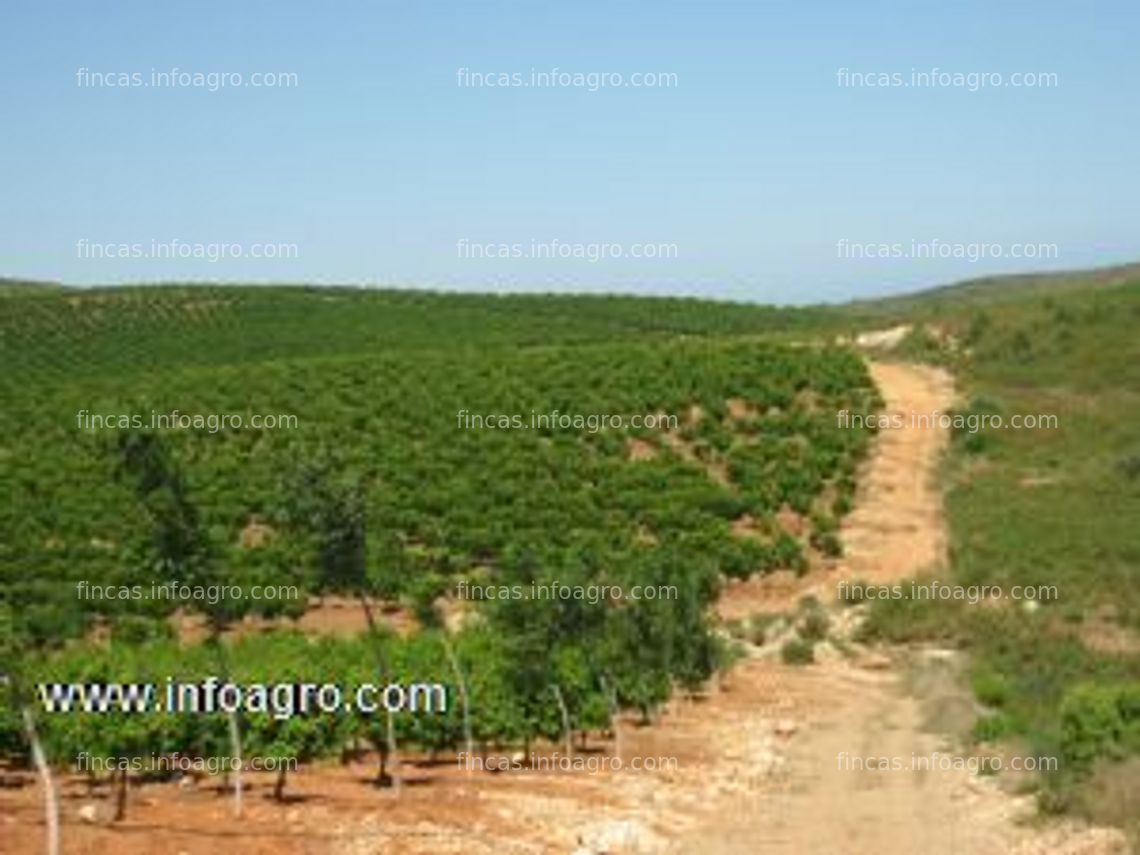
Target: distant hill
(991, 290)
(576, 316)
(9, 286)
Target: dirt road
(840, 722)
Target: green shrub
(827, 542)
(797, 651)
(920, 345)
(1099, 721)
(815, 625)
(991, 728)
(991, 688)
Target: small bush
(975, 443)
(760, 626)
(828, 543)
(991, 688)
(788, 554)
(991, 728)
(1054, 801)
(815, 625)
(797, 651)
(969, 436)
(920, 345)
(1099, 721)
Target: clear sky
(747, 167)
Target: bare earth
(822, 800)
(758, 760)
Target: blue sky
(752, 167)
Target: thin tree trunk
(393, 753)
(235, 747)
(390, 726)
(234, 727)
(469, 744)
(614, 723)
(568, 733)
(382, 770)
(51, 800)
(279, 785)
(121, 784)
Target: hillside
(413, 451)
(992, 290)
(1051, 509)
(406, 449)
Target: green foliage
(814, 624)
(920, 345)
(440, 497)
(1099, 720)
(990, 687)
(1044, 507)
(991, 728)
(798, 651)
(384, 488)
(967, 430)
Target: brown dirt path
(895, 528)
(849, 714)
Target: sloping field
(493, 485)
(551, 512)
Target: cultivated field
(475, 550)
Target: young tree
(287, 736)
(542, 635)
(426, 596)
(334, 513)
(183, 552)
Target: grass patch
(1054, 510)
